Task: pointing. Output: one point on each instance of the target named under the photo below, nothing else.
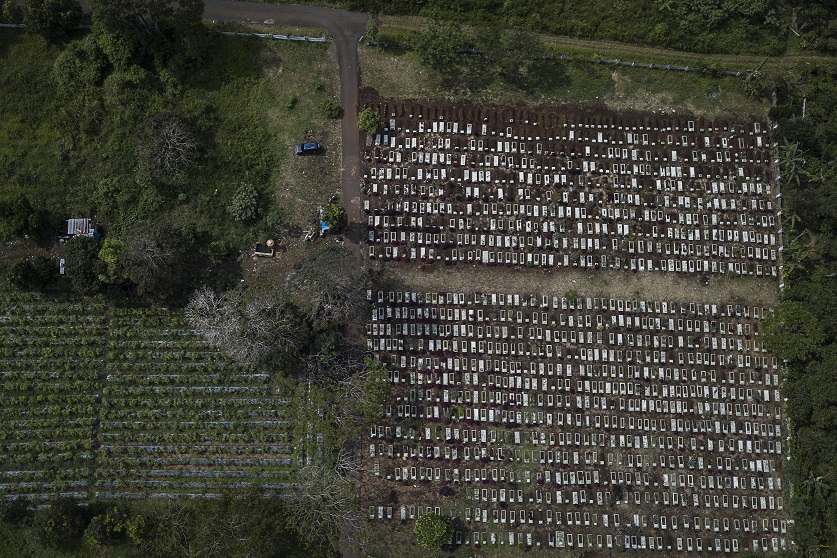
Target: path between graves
(753, 291)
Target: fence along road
(345, 29)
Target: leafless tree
(357, 383)
(247, 329)
(347, 462)
(149, 253)
(329, 287)
(206, 313)
(176, 146)
(171, 519)
(156, 258)
(321, 506)
(169, 146)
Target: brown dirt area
(606, 283)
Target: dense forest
(233, 525)
(710, 26)
(803, 330)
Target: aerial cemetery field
(581, 419)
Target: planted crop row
(12, 342)
(195, 449)
(51, 351)
(24, 375)
(57, 433)
(194, 436)
(274, 426)
(48, 365)
(169, 414)
(185, 414)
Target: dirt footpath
(610, 284)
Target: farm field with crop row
(113, 402)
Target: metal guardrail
(276, 37)
(651, 66)
(237, 33)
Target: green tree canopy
(433, 531)
(21, 218)
(61, 524)
(439, 46)
(51, 18)
(334, 216)
(81, 65)
(153, 31)
(328, 287)
(34, 273)
(244, 206)
(109, 254)
(370, 121)
(511, 52)
(791, 331)
(82, 264)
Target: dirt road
(345, 29)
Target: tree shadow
(471, 75)
(9, 38)
(543, 78)
(228, 58)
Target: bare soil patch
(605, 283)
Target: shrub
(220, 249)
(109, 254)
(35, 273)
(334, 216)
(433, 531)
(244, 206)
(83, 265)
(51, 18)
(331, 108)
(370, 121)
(22, 219)
(372, 28)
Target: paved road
(345, 29)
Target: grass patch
(403, 76)
(29, 142)
(247, 104)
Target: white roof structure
(83, 227)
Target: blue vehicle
(307, 148)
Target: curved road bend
(345, 29)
